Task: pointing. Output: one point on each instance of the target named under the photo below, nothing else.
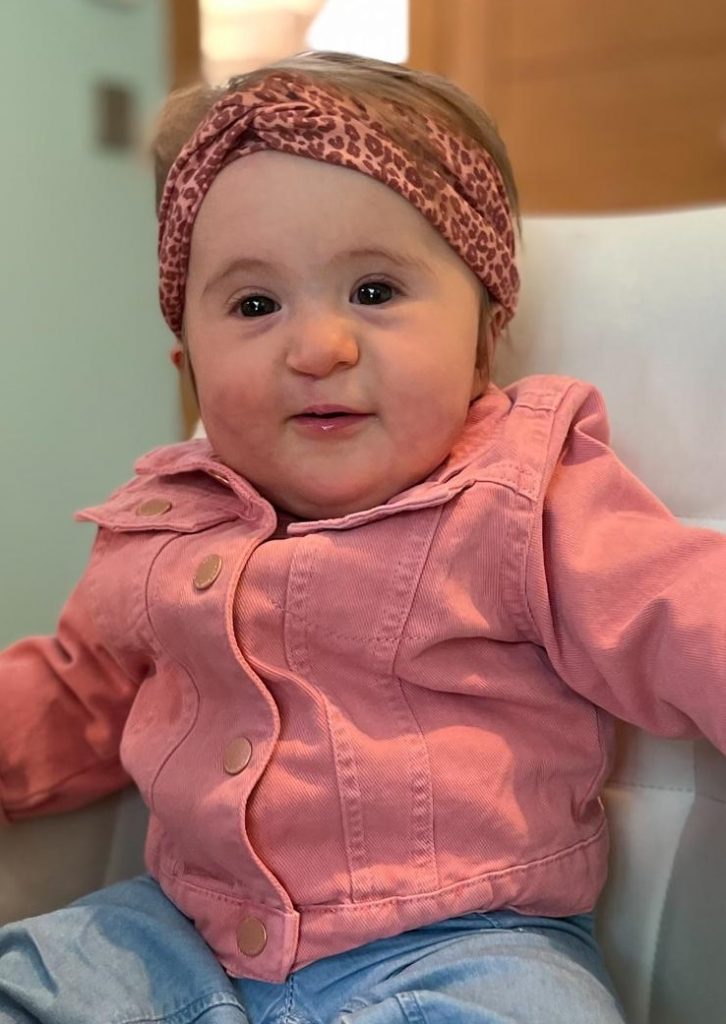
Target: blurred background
(604, 106)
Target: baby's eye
(373, 293)
(256, 305)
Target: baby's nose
(320, 344)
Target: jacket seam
(515, 869)
(187, 671)
(404, 688)
(184, 881)
(323, 908)
(537, 511)
(537, 514)
(596, 782)
(345, 763)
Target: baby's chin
(332, 499)
(334, 496)
(313, 507)
(318, 490)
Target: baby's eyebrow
(234, 266)
(402, 259)
(255, 265)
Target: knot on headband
(464, 198)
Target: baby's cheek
(239, 427)
(441, 410)
(227, 400)
(223, 419)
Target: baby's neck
(283, 521)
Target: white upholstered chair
(637, 305)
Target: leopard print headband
(464, 199)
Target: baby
(362, 649)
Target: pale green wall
(85, 382)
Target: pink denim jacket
(354, 727)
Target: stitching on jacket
(422, 813)
(319, 908)
(536, 518)
(599, 772)
(430, 845)
(183, 666)
(472, 883)
(184, 882)
(350, 800)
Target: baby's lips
(329, 409)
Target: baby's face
(332, 332)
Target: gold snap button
(237, 755)
(207, 572)
(251, 936)
(153, 507)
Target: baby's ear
(177, 357)
(491, 325)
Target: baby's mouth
(329, 418)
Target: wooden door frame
(184, 55)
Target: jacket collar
(457, 472)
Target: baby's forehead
(291, 178)
(276, 200)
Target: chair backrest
(636, 304)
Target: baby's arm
(63, 703)
(629, 604)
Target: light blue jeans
(125, 955)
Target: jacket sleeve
(63, 703)
(629, 604)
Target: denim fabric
(125, 955)
(426, 689)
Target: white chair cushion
(636, 304)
